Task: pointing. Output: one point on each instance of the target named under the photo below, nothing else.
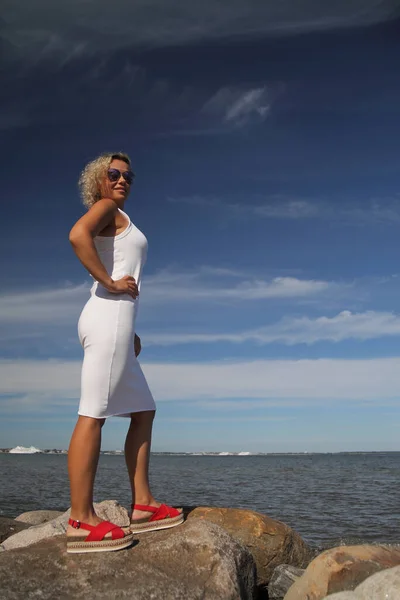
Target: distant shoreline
(221, 454)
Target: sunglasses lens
(128, 176)
(113, 174)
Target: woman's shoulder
(105, 204)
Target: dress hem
(124, 414)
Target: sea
(329, 499)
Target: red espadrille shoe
(95, 540)
(163, 517)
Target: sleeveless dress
(112, 381)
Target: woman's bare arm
(81, 238)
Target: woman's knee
(91, 422)
(140, 418)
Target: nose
(121, 181)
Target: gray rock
(282, 578)
(37, 517)
(9, 527)
(35, 534)
(195, 561)
(381, 586)
(384, 585)
(109, 510)
(342, 569)
(344, 596)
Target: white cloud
(62, 305)
(56, 305)
(385, 210)
(252, 101)
(276, 207)
(288, 209)
(224, 419)
(302, 381)
(208, 284)
(237, 106)
(302, 330)
(382, 210)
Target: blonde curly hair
(93, 174)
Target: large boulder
(37, 517)
(197, 560)
(384, 585)
(381, 586)
(342, 569)
(271, 542)
(281, 580)
(9, 527)
(109, 510)
(344, 596)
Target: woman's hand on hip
(126, 285)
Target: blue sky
(265, 143)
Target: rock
(197, 560)
(282, 578)
(36, 533)
(109, 510)
(342, 569)
(344, 596)
(384, 585)
(271, 542)
(9, 527)
(37, 517)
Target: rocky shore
(217, 554)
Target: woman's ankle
(144, 501)
(84, 515)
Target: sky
(265, 140)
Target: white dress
(112, 382)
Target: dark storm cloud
(64, 30)
(66, 63)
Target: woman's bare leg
(137, 457)
(83, 458)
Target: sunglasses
(115, 174)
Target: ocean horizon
(330, 499)
(35, 450)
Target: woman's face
(117, 183)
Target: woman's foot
(152, 516)
(143, 514)
(96, 536)
(92, 520)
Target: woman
(114, 251)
